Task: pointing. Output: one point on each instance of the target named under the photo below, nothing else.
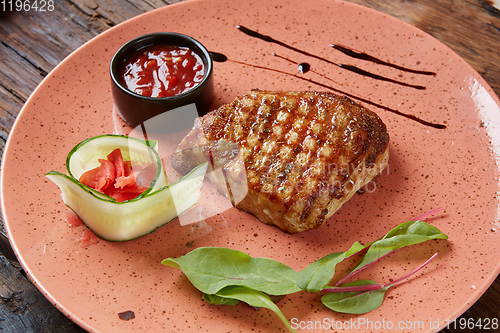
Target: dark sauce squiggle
(219, 57)
(304, 67)
(350, 68)
(364, 56)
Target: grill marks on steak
(303, 153)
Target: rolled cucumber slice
(122, 221)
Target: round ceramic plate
(456, 168)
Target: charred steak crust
(304, 153)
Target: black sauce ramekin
(134, 108)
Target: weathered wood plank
(470, 28)
(31, 44)
(23, 308)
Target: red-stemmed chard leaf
(405, 234)
(426, 215)
(357, 301)
(318, 274)
(361, 296)
(226, 276)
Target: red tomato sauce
(87, 238)
(163, 71)
(117, 178)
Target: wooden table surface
(33, 43)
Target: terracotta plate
(456, 168)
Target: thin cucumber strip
(85, 156)
(122, 221)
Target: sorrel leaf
(253, 298)
(212, 268)
(226, 276)
(318, 274)
(355, 302)
(405, 234)
(218, 300)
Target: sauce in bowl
(163, 71)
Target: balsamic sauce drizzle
(304, 67)
(351, 68)
(219, 57)
(364, 56)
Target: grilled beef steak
(289, 158)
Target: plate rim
(8, 146)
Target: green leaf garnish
(226, 276)
(219, 300)
(318, 274)
(405, 234)
(361, 296)
(212, 268)
(253, 298)
(355, 302)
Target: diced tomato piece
(101, 177)
(116, 158)
(115, 177)
(172, 82)
(121, 182)
(105, 175)
(128, 177)
(124, 194)
(89, 178)
(87, 238)
(73, 220)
